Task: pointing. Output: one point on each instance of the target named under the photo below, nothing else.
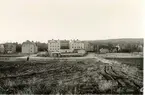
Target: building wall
(53, 45)
(88, 47)
(36, 49)
(64, 45)
(76, 44)
(2, 48)
(29, 48)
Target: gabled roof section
(29, 42)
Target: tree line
(124, 47)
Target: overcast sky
(41, 20)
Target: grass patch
(85, 76)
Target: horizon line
(68, 39)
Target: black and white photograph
(71, 47)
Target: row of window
(70, 44)
(53, 49)
(53, 43)
(27, 46)
(77, 44)
(78, 47)
(58, 47)
(53, 46)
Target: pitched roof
(29, 42)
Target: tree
(110, 47)
(18, 47)
(42, 46)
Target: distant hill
(119, 41)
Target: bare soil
(82, 76)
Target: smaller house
(29, 47)
(104, 50)
(140, 48)
(89, 47)
(82, 51)
(2, 48)
(55, 54)
(65, 50)
(10, 48)
(114, 50)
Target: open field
(79, 76)
(122, 55)
(13, 55)
(137, 62)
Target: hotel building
(64, 45)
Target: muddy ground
(84, 76)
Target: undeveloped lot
(82, 76)
(122, 55)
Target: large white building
(29, 47)
(64, 45)
(53, 45)
(77, 44)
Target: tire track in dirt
(117, 76)
(105, 74)
(127, 80)
(114, 77)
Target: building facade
(88, 47)
(10, 48)
(2, 48)
(64, 45)
(53, 45)
(29, 47)
(57, 47)
(77, 44)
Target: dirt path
(89, 56)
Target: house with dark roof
(104, 50)
(29, 47)
(89, 47)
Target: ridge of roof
(29, 42)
